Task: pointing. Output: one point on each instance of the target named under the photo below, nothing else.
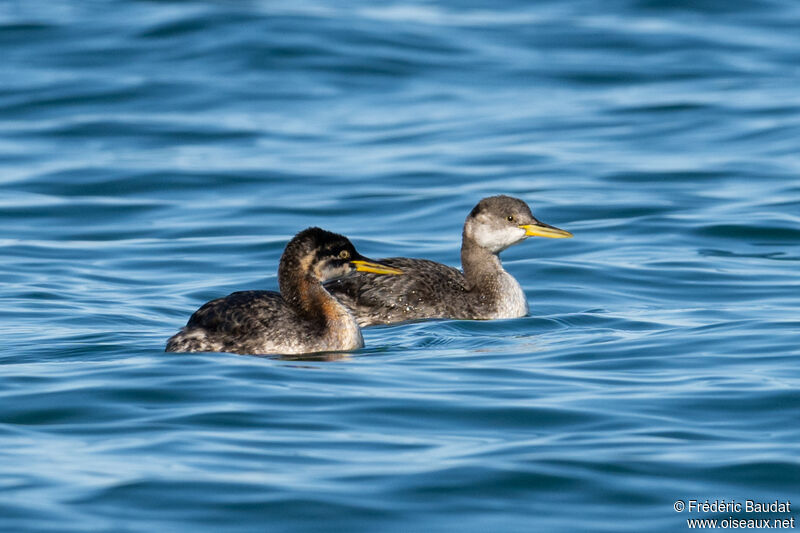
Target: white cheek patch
(328, 271)
(496, 240)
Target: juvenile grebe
(303, 318)
(432, 290)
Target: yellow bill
(375, 268)
(541, 229)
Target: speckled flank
(432, 290)
(302, 318)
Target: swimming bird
(484, 290)
(302, 318)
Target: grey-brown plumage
(432, 290)
(302, 318)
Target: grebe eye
(344, 254)
(510, 218)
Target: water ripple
(158, 155)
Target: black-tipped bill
(366, 265)
(540, 229)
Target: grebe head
(325, 255)
(498, 222)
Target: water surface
(155, 155)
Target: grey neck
(481, 267)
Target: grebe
(432, 290)
(303, 318)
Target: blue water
(157, 154)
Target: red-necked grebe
(432, 290)
(303, 318)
